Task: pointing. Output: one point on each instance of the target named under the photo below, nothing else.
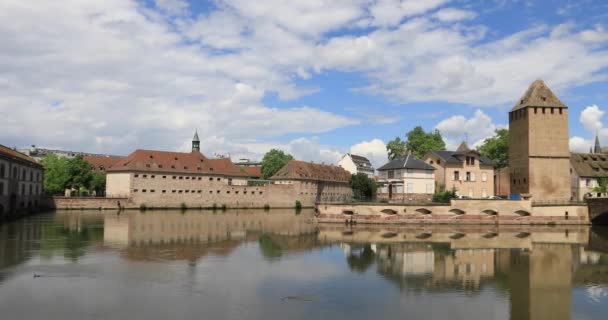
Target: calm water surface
(279, 265)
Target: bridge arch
(348, 212)
(490, 235)
(424, 235)
(457, 235)
(388, 235)
(600, 219)
(423, 210)
(522, 213)
(457, 211)
(389, 211)
(490, 212)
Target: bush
(298, 205)
(143, 207)
(444, 197)
(214, 207)
(183, 206)
(267, 207)
(224, 207)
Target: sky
(315, 78)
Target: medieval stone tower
(539, 154)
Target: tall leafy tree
(420, 142)
(80, 173)
(496, 148)
(56, 173)
(98, 183)
(364, 188)
(273, 161)
(602, 185)
(396, 148)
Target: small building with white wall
(357, 164)
(406, 178)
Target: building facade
(463, 170)
(39, 153)
(585, 171)
(357, 164)
(539, 153)
(405, 179)
(20, 183)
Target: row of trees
(71, 173)
(419, 142)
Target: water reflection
(507, 272)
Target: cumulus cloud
(591, 118)
(374, 150)
(578, 144)
(475, 129)
(453, 14)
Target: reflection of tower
(540, 283)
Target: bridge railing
(548, 203)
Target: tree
(396, 148)
(80, 173)
(363, 186)
(273, 161)
(602, 185)
(56, 174)
(496, 148)
(420, 142)
(98, 183)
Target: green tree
(56, 173)
(602, 185)
(496, 148)
(396, 148)
(98, 183)
(420, 142)
(273, 161)
(363, 186)
(80, 173)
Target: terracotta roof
(301, 170)
(590, 164)
(176, 162)
(101, 163)
(253, 172)
(538, 95)
(10, 153)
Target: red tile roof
(101, 163)
(175, 162)
(300, 170)
(253, 172)
(10, 153)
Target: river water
(282, 265)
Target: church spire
(196, 142)
(597, 148)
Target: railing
(547, 203)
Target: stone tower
(196, 143)
(539, 154)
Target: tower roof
(195, 138)
(597, 148)
(463, 147)
(538, 95)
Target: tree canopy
(496, 148)
(395, 148)
(66, 173)
(273, 161)
(364, 188)
(420, 142)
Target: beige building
(464, 170)
(539, 154)
(20, 183)
(357, 164)
(406, 178)
(585, 170)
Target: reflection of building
(357, 164)
(465, 267)
(406, 178)
(465, 170)
(20, 182)
(539, 155)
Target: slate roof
(456, 157)
(538, 95)
(408, 162)
(301, 170)
(176, 162)
(361, 162)
(590, 164)
(17, 156)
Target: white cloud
(453, 14)
(390, 12)
(591, 118)
(374, 150)
(578, 144)
(173, 7)
(455, 128)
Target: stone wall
(457, 212)
(88, 203)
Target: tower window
(535, 110)
(560, 110)
(551, 110)
(543, 110)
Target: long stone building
(172, 179)
(20, 183)
(539, 154)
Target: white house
(406, 178)
(356, 164)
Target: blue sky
(316, 78)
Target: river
(280, 264)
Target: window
(187, 191)
(135, 190)
(210, 179)
(429, 188)
(143, 190)
(551, 110)
(261, 192)
(145, 176)
(468, 176)
(153, 176)
(2, 170)
(456, 176)
(587, 182)
(484, 177)
(410, 187)
(152, 190)
(31, 176)
(218, 191)
(164, 191)
(173, 191)
(181, 178)
(199, 178)
(391, 174)
(535, 110)
(179, 191)
(560, 110)
(187, 178)
(438, 161)
(218, 179)
(484, 193)
(1, 188)
(174, 177)
(431, 162)
(164, 177)
(23, 175)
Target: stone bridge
(598, 210)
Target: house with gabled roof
(406, 178)
(464, 170)
(357, 164)
(586, 170)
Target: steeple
(196, 142)
(597, 148)
(463, 147)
